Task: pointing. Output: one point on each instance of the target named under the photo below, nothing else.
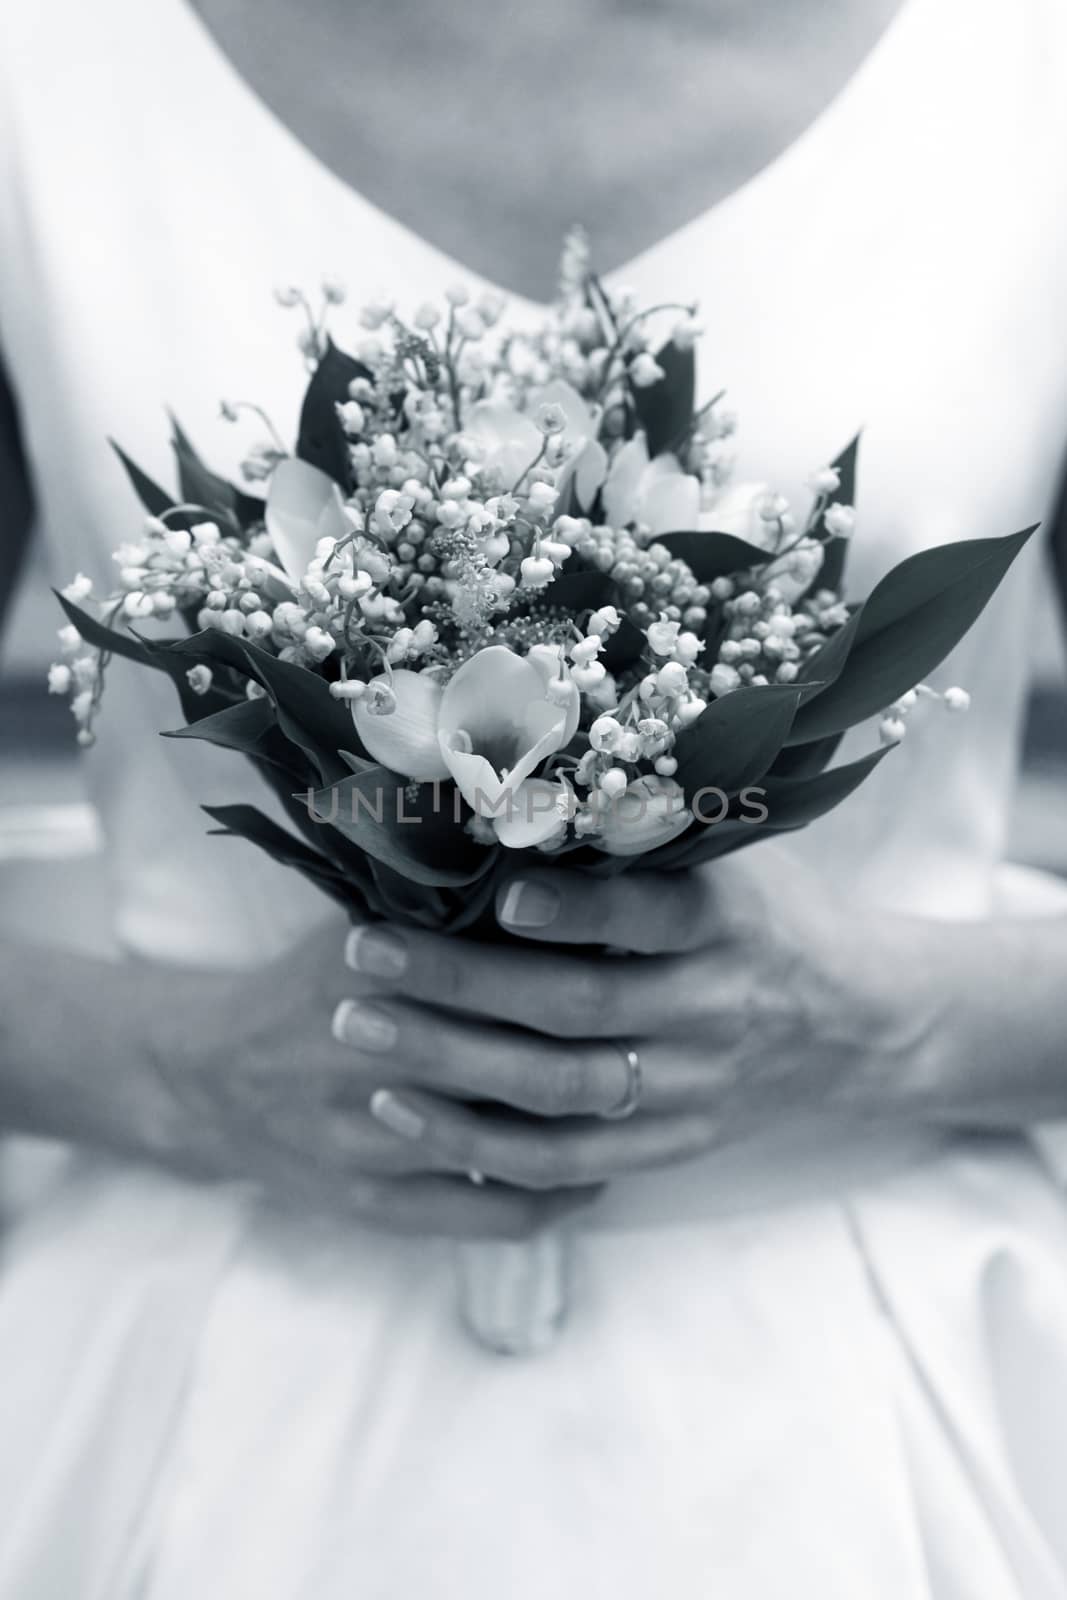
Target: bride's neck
(630, 115)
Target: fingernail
(529, 904)
(363, 1026)
(397, 1116)
(376, 952)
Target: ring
(630, 1100)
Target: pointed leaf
(714, 555)
(913, 619)
(412, 829)
(101, 637)
(251, 727)
(665, 409)
(321, 438)
(734, 742)
(154, 499)
(202, 487)
(246, 822)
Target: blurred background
(45, 815)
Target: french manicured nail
(396, 1114)
(375, 952)
(529, 904)
(364, 1027)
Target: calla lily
(509, 437)
(650, 812)
(654, 492)
(405, 738)
(537, 815)
(512, 439)
(496, 725)
(587, 460)
(735, 509)
(303, 506)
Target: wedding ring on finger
(632, 1095)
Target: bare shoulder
(16, 495)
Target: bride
(818, 1339)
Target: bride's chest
(900, 269)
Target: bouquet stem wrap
(514, 1294)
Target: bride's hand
(748, 995)
(248, 1085)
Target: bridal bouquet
(502, 597)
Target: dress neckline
(231, 80)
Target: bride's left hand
(746, 990)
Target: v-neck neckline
(202, 38)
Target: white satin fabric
(813, 1366)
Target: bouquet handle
(514, 1294)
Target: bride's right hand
(231, 1077)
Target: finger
(650, 913)
(541, 1156)
(568, 995)
(409, 1043)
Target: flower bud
(724, 679)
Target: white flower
(353, 417)
(497, 724)
(605, 621)
(59, 678)
(645, 370)
(826, 481)
(542, 497)
(537, 571)
(199, 679)
(840, 521)
(397, 721)
(80, 589)
(724, 679)
(651, 811)
(333, 290)
(536, 814)
(392, 512)
(663, 635)
(956, 700)
(656, 493)
(685, 334)
(375, 313)
(303, 506)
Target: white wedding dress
(819, 1365)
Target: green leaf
(415, 835)
(307, 713)
(101, 637)
(795, 802)
(665, 408)
(806, 760)
(832, 574)
(202, 487)
(827, 664)
(587, 589)
(246, 822)
(321, 439)
(154, 499)
(734, 742)
(714, 555)
(250, 727)
(913, 619)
